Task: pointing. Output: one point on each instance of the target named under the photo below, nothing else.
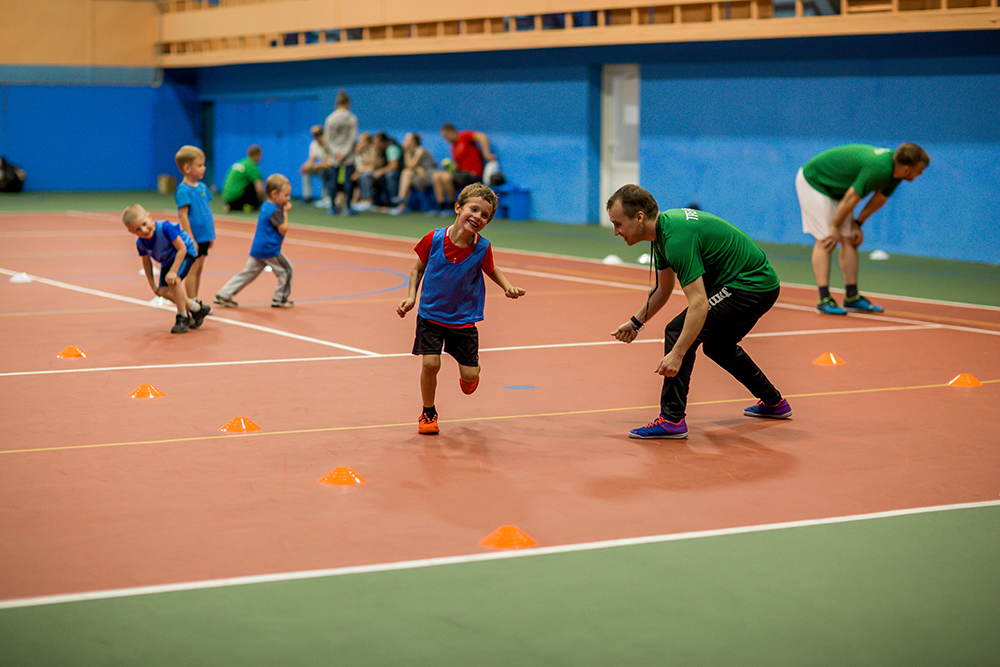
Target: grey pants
(282, 270)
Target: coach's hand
(625, 333)
(669, 365)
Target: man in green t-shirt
(244, 185)
(829, 187)
(729, 285)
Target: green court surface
(909, 590)
(919, 277)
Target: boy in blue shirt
(451, 262)
(272, 225)
(195, 214)
(174, 249)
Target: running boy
(195, 214)
(174, 249)
(454, 260)
(272, 225)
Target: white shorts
(818, 210)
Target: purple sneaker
(660, 428)
(780, 411)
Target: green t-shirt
(698, 244)
(865, 168)
(240, 175)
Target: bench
(513, 201)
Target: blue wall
(95, 137)
(725, 124)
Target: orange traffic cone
(146, 391)
(341, 476)
(965, 380)
(508, 537)
(240, 425)
(828, 359)
(71, 352)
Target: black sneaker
(199, 317)
(182, 324)
(282, 304)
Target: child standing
(195, 214)
(453, 260)
(174, 249)
(272, 225)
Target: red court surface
(102, 491)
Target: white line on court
(477, 558)
(215, 318)
(514, 348)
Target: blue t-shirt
(267, 240)
(453, 293)
(161, 246)
(200, 213)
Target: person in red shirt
(470, 151)
(451, 263)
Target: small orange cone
(341, 476)
(240, 425)
(146, 391)
(508, 537)
(965, 380)
(828, 359)
(71, 352)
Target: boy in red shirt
(451, 262)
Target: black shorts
(463, 344)
(182, 270)
(463, 178)
(203, 247)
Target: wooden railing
(216, 32)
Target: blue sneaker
(780, 411)
(660, 428)
(828, 306)
(860, 304)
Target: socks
(824, 293)
(195, 306)
(852, 292)
(431, 412)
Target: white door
(619, 131)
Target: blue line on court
(520, 386)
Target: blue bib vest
(453, 294)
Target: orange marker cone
(828, 359)
(965, 380)
(508, 537)
(146, 391)
(71, 352)
(240, 425)
(341, 476)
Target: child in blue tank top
(451, 263)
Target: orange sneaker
(468, 387)
(427, 425)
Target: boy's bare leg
(469, 373)
(428, 378)
(193, 280)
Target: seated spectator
(244, 186)
(384, 179)
(365, 156)
(418, 167)
(317, 164)
(469, 152)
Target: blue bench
(513, 201)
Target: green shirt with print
(865, 168)
(698, 244)
(240, 175)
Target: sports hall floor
(133, 531)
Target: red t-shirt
(465, 153)
(453, 254)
